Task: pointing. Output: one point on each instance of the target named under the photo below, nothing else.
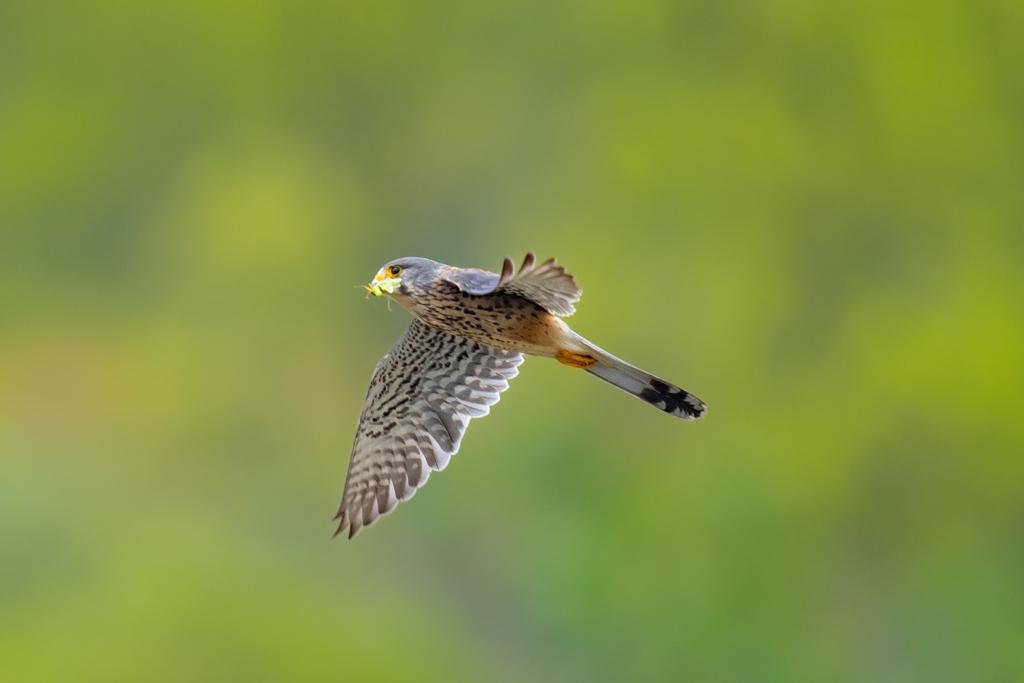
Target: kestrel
(469, 332)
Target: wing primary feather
(508, 270)
(527, 263)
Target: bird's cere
(388, 284)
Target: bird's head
(405, 278)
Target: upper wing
(422, 395)
(547, 285)
(471, 280)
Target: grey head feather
(417, 272)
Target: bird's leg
(583, 361)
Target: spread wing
(421, 398)
(547, 284)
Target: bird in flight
(469, 332)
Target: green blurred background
(811, 215)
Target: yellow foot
(575, 360)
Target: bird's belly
(512, 324)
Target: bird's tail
(631, 379)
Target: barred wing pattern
(421, 398)
(547, 285)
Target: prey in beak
(382, 285)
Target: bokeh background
(811, 215)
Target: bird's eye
(393, 271)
